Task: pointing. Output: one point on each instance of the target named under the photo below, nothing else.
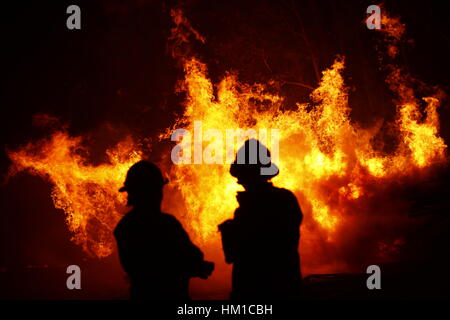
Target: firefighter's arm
(124, 251)
(192, 256)
(228, 233)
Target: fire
(393, 31)
(86, 193)
(325, 159)
(422, 138)
(316, 142)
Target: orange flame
(325, 159)
(86, 193)
(316, 142)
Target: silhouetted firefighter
(262, 240)
(154, 249)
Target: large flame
(86, 193)
(316, 142)
(325, 159)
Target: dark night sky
(116, 70)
